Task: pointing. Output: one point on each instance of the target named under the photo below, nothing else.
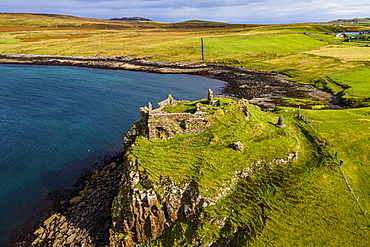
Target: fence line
(351, 189)
(357, 198)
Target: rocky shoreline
(83, 216)
(260, 88)
(84, 220)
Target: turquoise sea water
(55, 121)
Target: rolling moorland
(310, 202)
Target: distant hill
(354, 21)
(202, 22)
(131, 19)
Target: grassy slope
(350, 138)
(304, 203)
(357, 86)
(192, 157)
(257, 47)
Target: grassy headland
(303, 203)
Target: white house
(341, 35)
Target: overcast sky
(232, 11)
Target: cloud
(233, 11)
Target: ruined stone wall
(167, 125)
(169, 101)
(175, 116)
(159, 124)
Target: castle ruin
(163, 125)
(158, 124)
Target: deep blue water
(55, 121)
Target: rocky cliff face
(143, 210)
(121, 206)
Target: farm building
(364, 32)
(342, 34)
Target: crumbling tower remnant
(211, 100)
(243, 107)
(210, 96)
(169, 101)
(145, 112)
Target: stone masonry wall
(175, 116)
(166, 125)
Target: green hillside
(356, 84)
(305, 202)
(348, 133)
(257, 47)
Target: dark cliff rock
(143, 214)
(143, 210)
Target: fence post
(201, 39)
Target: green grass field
(260, 43)
(282, 48)
(256, 47)
(356, 84)
(348, 133)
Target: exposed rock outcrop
(142, 214)
(238, 146)
(121, 206)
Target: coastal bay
(265, 89)
(57, 121)
(240, 82)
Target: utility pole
(201, 39)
